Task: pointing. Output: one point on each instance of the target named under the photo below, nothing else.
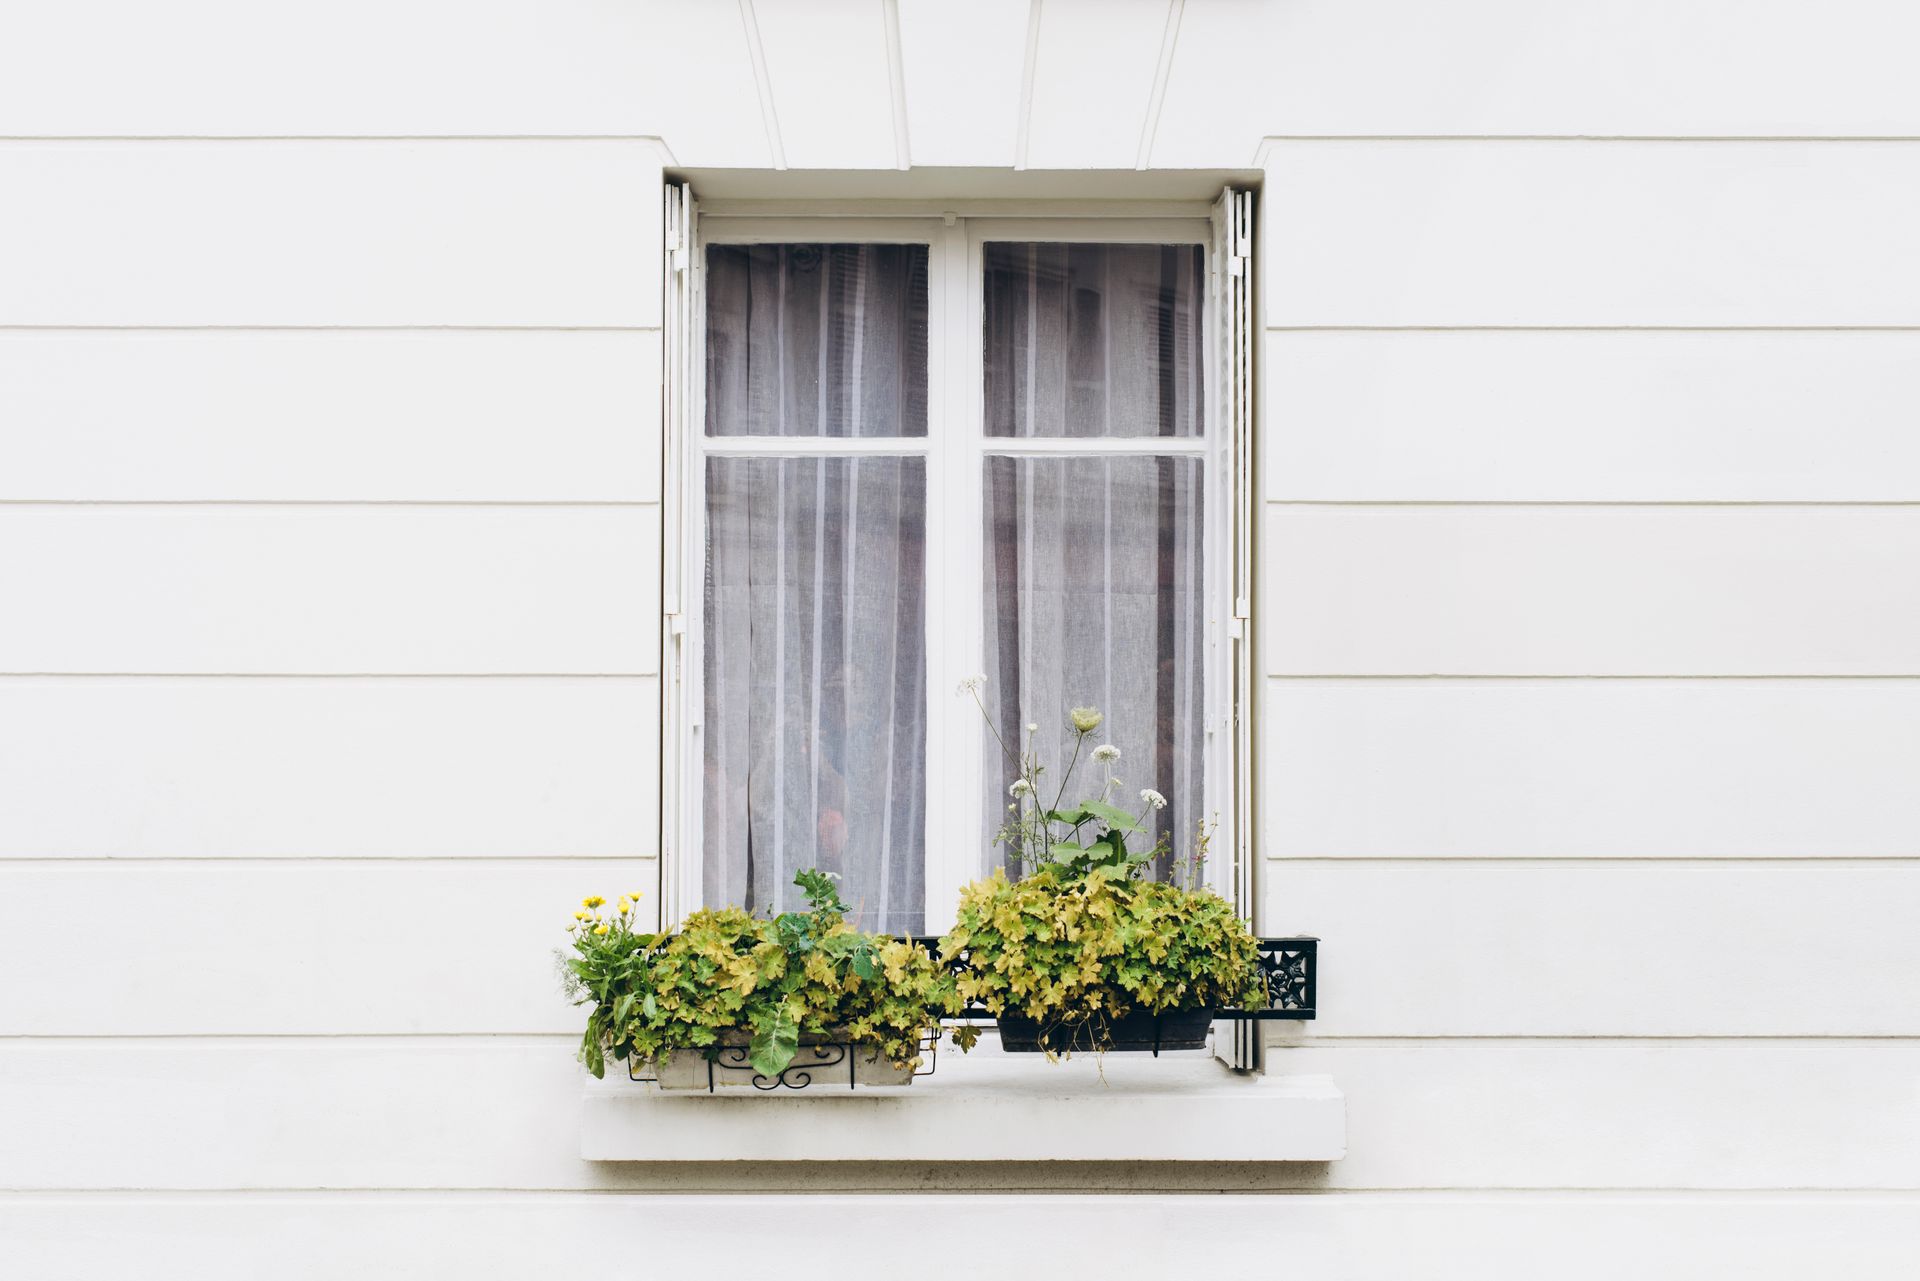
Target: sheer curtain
(1093, 340)
(817, 340)
(1093, 599)
(814, 656)
(1094, 576)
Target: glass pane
(815, 725)
(1094, 340)
(1094, 598)
(816, 340)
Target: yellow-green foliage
(799, 974)
(1067, 950)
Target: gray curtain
(1094, 340)
(815, 622)
(817, 340)
(1093, 598)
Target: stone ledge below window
(988, 1106)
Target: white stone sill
(986, 1106)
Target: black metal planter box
(1138, 1030)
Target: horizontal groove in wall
(894, 1194)
(653, 139)
(286, 860)
(329, 502)
(1593, 329)
(1585, 137)
(1429, 861)
(1573, 860)
(886, 1185)
(1815, 1041)
(1592, 502)
(1591, 676)
(327, 329)
(269, 1038)
(1308, 1040)
(329, 676)
(659, 142)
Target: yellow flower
(592, 900)
(1086, 719)
(637, 895)
(579, 916)
(601, 930)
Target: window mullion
(954, 573)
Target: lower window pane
(815, 705)
(1094, 598)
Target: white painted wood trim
(1119, 231)
(723, 229)
(956, 739)
(1101, 447)
(813, 446)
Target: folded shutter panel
(680, 697)
(1230, 280)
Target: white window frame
(955, 445)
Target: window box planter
(820, 1060)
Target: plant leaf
(1113, 816)
(776, 1039)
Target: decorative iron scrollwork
(797, 1075)
(1289, 973)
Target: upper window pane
(1093, 340)
(817, 340)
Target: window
(921, 449)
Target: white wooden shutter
(682, 367)
(1230, 287)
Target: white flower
(1086, 719)
(1019, 788)
(1106, 752)
(1033, 727)
(1153, 799)
(971, 685)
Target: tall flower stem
(1079, 737)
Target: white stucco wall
(329, 530)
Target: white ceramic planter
(819, 1064)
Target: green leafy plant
(727, 972)
(1077, 836)
(1075, 951)
(1086, 937)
